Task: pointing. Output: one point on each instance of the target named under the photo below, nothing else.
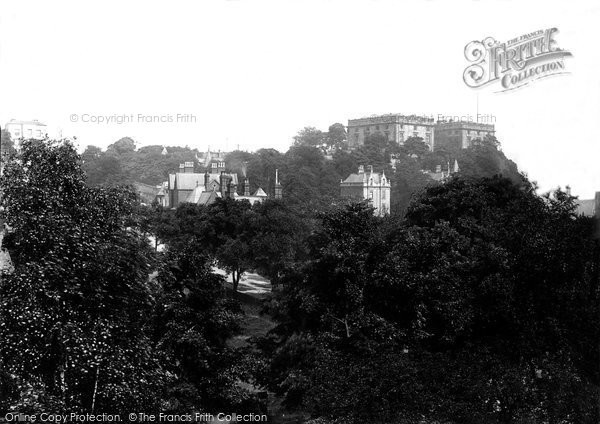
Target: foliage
(192, 320)
(72, 311)
(481, 306)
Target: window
(383, 194)
(38, 133)
(371, 194)
(401, 135)
(17, 133)
(416, 128)
(30, 132)
(415, 134)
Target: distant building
(26, 129)
(395, 127)
(206, 158)
(208, 192)
(368, 185)
(442, 175)
(460, 134)
(588, 207)
(203, 189)
(181, 184)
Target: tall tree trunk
(95, 389)
(235, 278)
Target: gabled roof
(260, 193)
(187, 181)
(216, 177)
(360, 178)
(195, 195)
(207, 197)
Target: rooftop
(392, 118)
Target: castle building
(398, 128)
(460, 134)
(368, 185)
(395, 127)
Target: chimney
(206, 180)
(246, 187)
(189, 167)
(361, 169)
(278, 188)
(222, 184)
(438, 169)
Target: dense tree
(310, 136)
(72, 311)
(278, 239)
(482, 306)
(192, 321)
(122, 146)
(415, 146)
(336, 136)
(6, 144)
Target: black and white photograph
(300, 212)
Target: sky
(250, 74)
